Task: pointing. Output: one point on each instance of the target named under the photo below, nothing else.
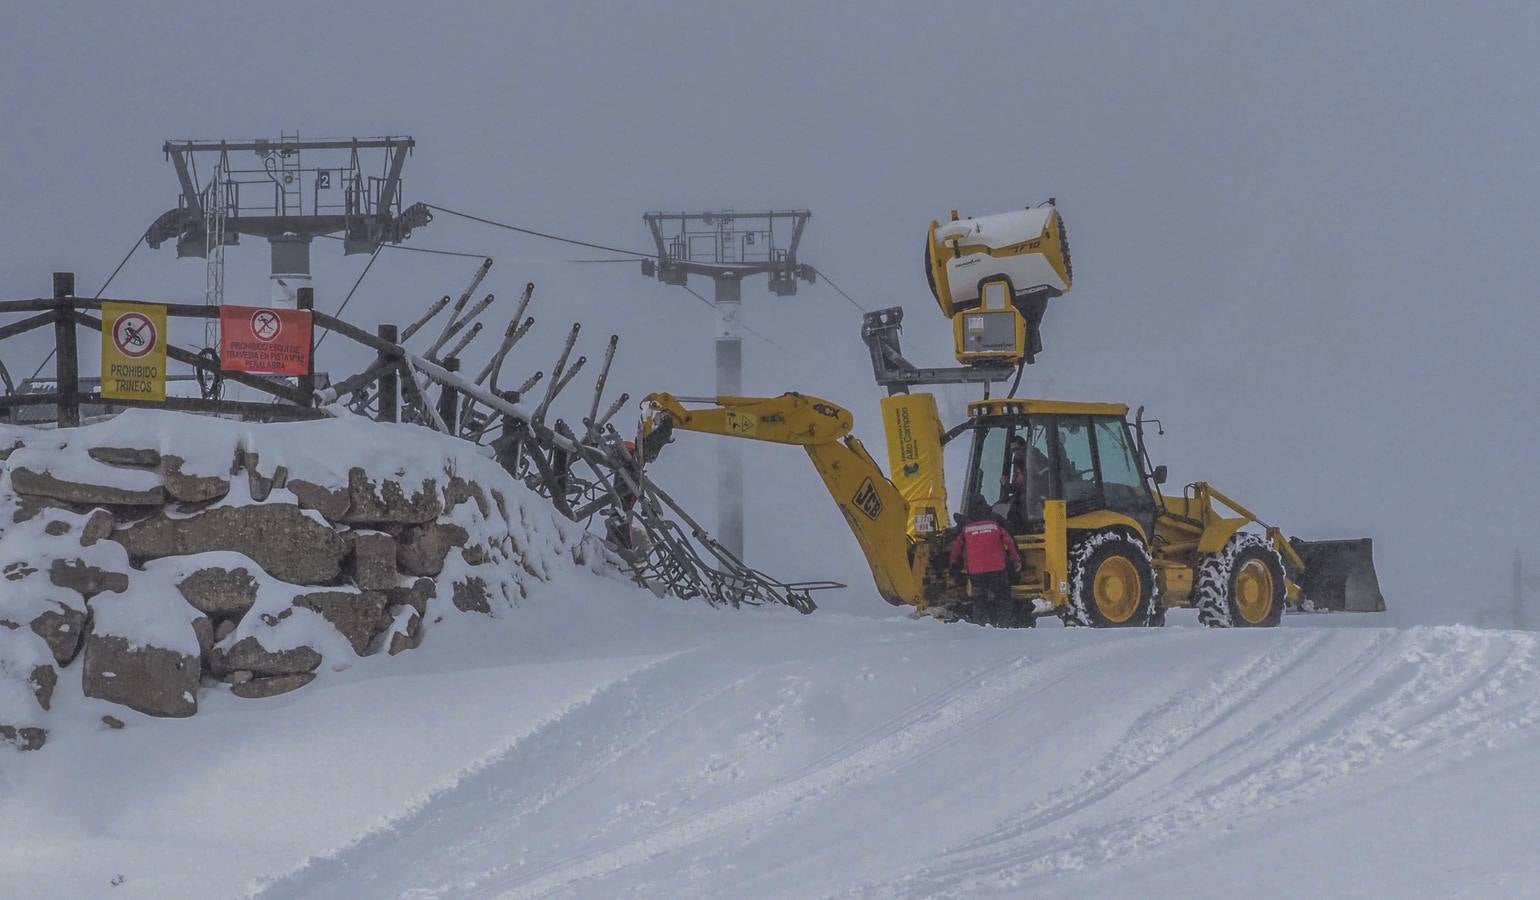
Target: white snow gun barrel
(1339, 575)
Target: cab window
(1122, 483)
(989, 478)
(1077, 467)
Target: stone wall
(157, 580)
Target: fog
(1302, 236)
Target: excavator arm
(872, 506)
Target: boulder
(223, 629)
(219, 592)
(416, 595)
(258, 688)
(97, 527)
(24, 738)
(280, 538)
(204, 629)
(388, 503)
(43, 485)
(459, 490)
(190, 488)
(421, 549)
(62, 630)
(405, 630)
(248, 653)
(87, 579)
(112, 722)
(471, 595)
(333, 504)
(259, 485)
(42, 681)
(374, 560)
(17, 571)
(56, 528)
(125, 456)
(5, 452)
(358, 615)
(152, 680)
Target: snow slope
(605, 743)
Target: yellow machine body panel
(788, 419)
(1020, 406)
(913, 429)
(993, 332)
(876, 513)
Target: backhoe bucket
(1340, 575)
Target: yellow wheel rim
(1254, 591)
(1117, 589)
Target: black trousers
(991, 596)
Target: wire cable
(367, 266)
(841, 291)
(435, 250)
(746, 328)
(542, 234)
(97, 296)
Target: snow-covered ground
(601, 742)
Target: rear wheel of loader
(1241, 586)
(1111, 582)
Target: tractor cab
(1026, 452)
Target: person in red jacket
(985, 550)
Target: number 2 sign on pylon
(134, 351)
(264, 341)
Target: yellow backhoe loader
(1101, 545)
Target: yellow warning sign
(133, 351)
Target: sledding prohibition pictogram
(133, 351)
(265, 325)
(134, 335)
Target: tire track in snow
(897, 740)
(1151, 739)
(334, 865)
(1417, 695)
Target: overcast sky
(1303, 235)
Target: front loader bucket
(1340, 575)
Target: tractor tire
(1111, 582)
(1241, 586)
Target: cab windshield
(1089, 462)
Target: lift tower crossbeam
(286, 201)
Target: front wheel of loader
(1111, 582)
(1241, 586)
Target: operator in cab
(986, 552)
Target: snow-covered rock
(174, 552)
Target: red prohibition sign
(265, 325)
(134, 335)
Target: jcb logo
(867, 501)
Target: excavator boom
(875, 510)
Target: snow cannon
(993, 277)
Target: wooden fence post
(305, 299)
(66, 358)
(449, 400)
(390, 385)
